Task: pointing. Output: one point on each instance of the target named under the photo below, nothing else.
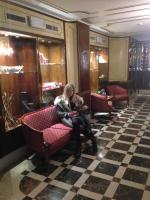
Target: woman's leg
(88, 132)
(93, 140)
(76, 128)
(67, 122)
(79, 121)
(85, 121)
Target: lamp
(101, 79)
(101, 60)
(101, 76)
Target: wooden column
(83, 61)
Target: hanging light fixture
(5, 48)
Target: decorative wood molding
(28, 21)
(97, 39)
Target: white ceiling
(116, 17)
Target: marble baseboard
(12, 158)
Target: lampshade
(102, 60)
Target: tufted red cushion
(61, 126)
(41, 119)
(56, 137)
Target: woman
(68, 109)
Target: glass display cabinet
(98, 66)
(52, 68)
(18, 73)
(28, 80)
(94, 72)
(103, 64)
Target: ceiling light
(14, 34)
(140, 24)
(6, 34)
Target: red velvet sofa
(118, 93)
(100, 103)
(43, 131)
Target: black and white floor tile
(120, 170)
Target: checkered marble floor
(120, 170)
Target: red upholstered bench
(43, 131)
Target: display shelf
(51, 86)
(50, 64)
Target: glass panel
(52, 67)
(94, 69)
(103, 64)
(98, 67)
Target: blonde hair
(75, 98)
(68, 87)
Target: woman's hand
(84, 107)
(72, 114)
